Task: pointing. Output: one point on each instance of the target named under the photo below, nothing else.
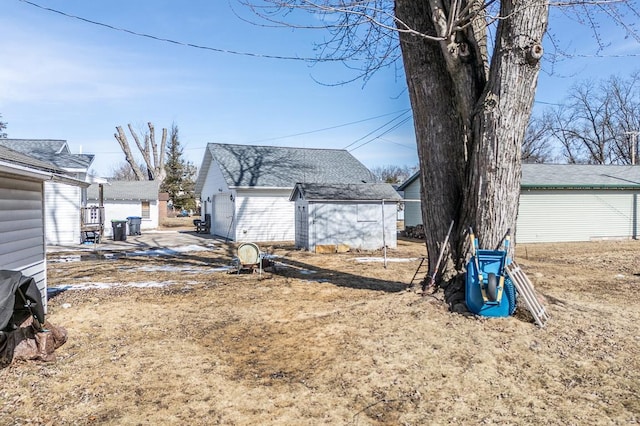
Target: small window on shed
(146, 210)
(368, 212)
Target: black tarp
(19, 298)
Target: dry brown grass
(344, 345)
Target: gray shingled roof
(18, 158)
(51, 151)
(579, 176)
(283, 167)
(146, 190)
(349, 191)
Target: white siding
(576, 215)
(359, 226)
(412, 209)
(62, 213)
(22, 229)
(264, 215)
(222, 217)
(121, 209)
(214, 184)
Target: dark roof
(581, 176)
(346, 192)
(133, 190)
(282, 167)
(51, 151)
(18, 158)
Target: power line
(404, 111)
(176, 42)
(405, 120)
(378, 128)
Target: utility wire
(404, 111)
(176, 42)
(405, 120)
(376, 129)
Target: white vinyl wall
(357, 225)
(412, 209)
(576, 215)
(121, 209)
(62, 213)
(22, 229)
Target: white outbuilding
(355, 216)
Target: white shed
(359, 216)
(22, 213)
(123, 199)
(245, 189)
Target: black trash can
(119, 228)
(134, 225)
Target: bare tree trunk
(121, 137)
(153, 158)
(470, 125)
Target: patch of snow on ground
(381, 259)
(167, 251)
(186, 269)
(102, 286)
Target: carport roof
(126, 190)
(346, 192)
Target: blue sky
(63, 78)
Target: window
(146, 210)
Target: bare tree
(471, 68)
(123, 171)
(595, 124)
(536, 145)
(393, 173)
(152, 156)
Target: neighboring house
(578, 202)
(246, 188)
(574, 202)
(359, 216)
(23, 184)
(62, 202)
(123, 199)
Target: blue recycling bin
(134, 225)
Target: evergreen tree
(3, 126)
(180, 180)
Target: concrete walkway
(148, 239)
